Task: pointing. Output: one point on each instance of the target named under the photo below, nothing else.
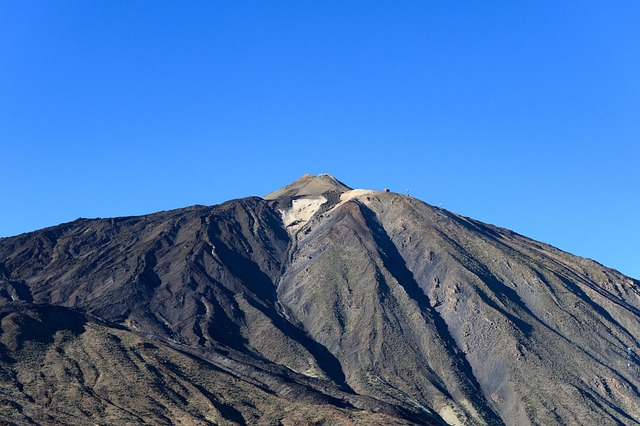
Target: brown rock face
(316, 304)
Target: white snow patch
(301, 211)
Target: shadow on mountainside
(396, 265)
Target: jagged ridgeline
(317, 304)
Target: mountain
(317, 304)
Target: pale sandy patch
(301, 211)
(448, 414)
(349, 195)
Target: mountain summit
(317, 304)
(309, 185)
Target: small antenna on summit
(407, 191)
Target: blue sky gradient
(521, 114)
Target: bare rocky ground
(316, 304)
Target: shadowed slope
(526, 316)
(59, 367)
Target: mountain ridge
(390, 308)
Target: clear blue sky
(521, 114)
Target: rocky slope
(315, 304)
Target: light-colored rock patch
(349, 195)
(300, 212)
(448, 414)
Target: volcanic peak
(376, 309)
(309, 186)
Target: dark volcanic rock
(317, 303)
(60, 367)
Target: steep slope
(541, 336)
(372, 305)
(61, 367)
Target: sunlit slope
(368, 301)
